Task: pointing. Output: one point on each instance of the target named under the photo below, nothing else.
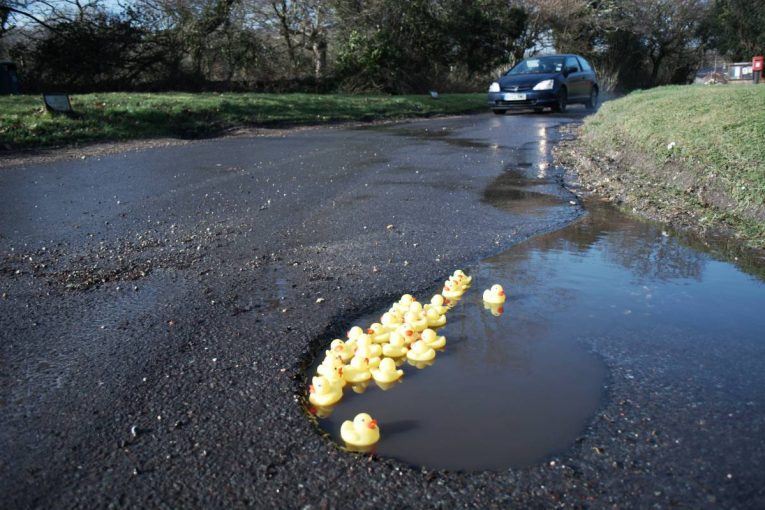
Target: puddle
(510, 391)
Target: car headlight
(494, 87)
(544, 85)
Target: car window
(538, 65)
(585, 65)
(572, 62)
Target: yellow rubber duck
(408, 334)
(357, 370)
(420, 364)
(461, 278)
(362, 431)
(451, 291)
(331, 363)
(387, 373)
(432, 340)
(378, 333)
(323, 393)
(403, 304)
(395, 348)
(437, 303)
(391, 321)
(416, 321)
(415, 307)
(340, 348)
(354, 333)
(367, 349)
(420, 351)
(435, 319)
(495, 295)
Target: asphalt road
(159, 306)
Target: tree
(736, 28)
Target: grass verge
(690, 156)
(24, 122)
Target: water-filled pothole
(506, 391)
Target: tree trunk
(319, 49)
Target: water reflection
(511, 388)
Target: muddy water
(516, 387)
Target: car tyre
(499, 112)
(562, 103)
(592, 102)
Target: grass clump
(25, 123)
(699, 148)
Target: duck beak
(372, 424)
(311, 389)
(370, 331)
(501, 292)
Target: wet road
(159, 308)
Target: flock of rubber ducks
(407, 332)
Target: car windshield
(538, 65)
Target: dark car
(553, 81)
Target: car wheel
(499, 112)
(562, 101)
(592, 102)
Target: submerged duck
(420, 351)
(323, 393)
(433, 340)
(494, 295)
(395, 348)
(387, 373)
(362, 431)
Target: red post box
(757, 64)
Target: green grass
(24, 122)
(719, 137)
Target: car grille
(517, 88)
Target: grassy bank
(692, 156)
(123, 116)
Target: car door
(577, 83)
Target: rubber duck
(496, 309)
(330, 364)
(420, 351)
(403, 304)
(451, 291)
(391, 321)
(378, 333)
(362, 431)
(433, 340)
(354, 332)
(323, 393)
(435, 319)
(415, 307)
(437, 303)
(357, 370)
(416, 321)
(367, 349)
(340, 348)
(395, 348)
(408, 334)
(387, 372)
(460, 277)
(494, 295)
